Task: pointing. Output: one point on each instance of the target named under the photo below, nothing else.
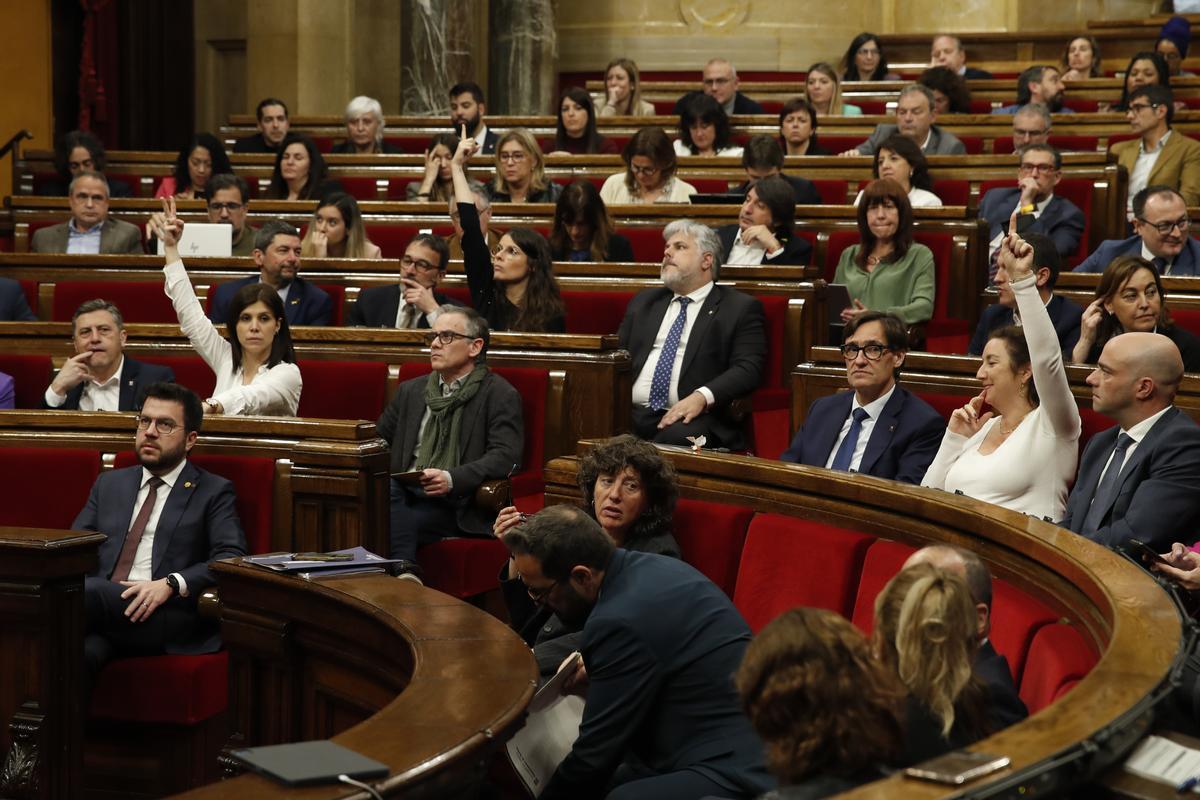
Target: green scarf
(440, 440)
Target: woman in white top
(1023, 453)
(899, 159)
(255, 364)
(704, 130)
(649, 175)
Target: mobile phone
(1144, 552)
(957, 767)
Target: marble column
(524, 57)
(441, 46)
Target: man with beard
(277, 255)
(1039, 170)
(228, 202)
(166, 521)
(272, 116)
(1042, 85)
(467, 107)
(1160, 235)
(662, 718)
(696, 346)
(1160, 157)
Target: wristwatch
(173, 582)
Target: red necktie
(134, 537)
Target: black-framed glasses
(1165, 228)
(230, 207)
(445, 337)
(165, 427)
(1136, 107)
(647, 171)
(539, 596)
(873, 352)
(419, 263)
(1044, 169)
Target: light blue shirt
(83, 241)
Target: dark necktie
(1161, 265)
(660, 384)
(408, 316)
(134, 537)
(845, 452)
(1106, 490)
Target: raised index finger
(1012, 222)
(464, 131)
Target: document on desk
(1165, 761)
(550, 731)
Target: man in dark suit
(898, 433)
(277, 255)
(662, 717)
(14, 307)
(1160, 235)
(714, 339)
(1065, 314)
(1041, 211)
(915, 117)
(721, 83)
(100, 377)
(415, 301)
(763, 158)
(468, 107)
(948, 51)
(166, 521)
(765, 232)
(272, 115)
(1139, 479)
(450, 431)
(1005, 705)
(90, 231)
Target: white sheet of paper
(551, 728)
(1165, 761)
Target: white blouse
(615, 191)
(917, 198)
(274, 392)
(1031, 469)
(684, 151)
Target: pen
(1188, 785)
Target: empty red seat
(833, 192)
(771, 402)
(1187, 318)
(360, 188)
(463, 567)
(1016, 618)
(710, 537)
(953, 192)
(595, 312)
(883, 560)
(177, 690)
(1058, 659)
(31, 376)
(139, 302)
(343, 389)
(28, 499)
(647, 242)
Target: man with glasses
(1160, 157)
(166, 520)
(228, 202)
(1040, 210)
(915, 117)
(1160, 235)
(415, 301)
(721, 83)
(90, 230)
(483, 207)
(449, 432)
(879, 428)
(1031, 125)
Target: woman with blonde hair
(823, 89)
(521, 171)
(623, 92)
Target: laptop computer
(204, 239)
(309, 763)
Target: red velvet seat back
(1186, 318)
(31, 376)
(839, 144)
(460, 293)
(953, 191)
(943, 402)
(711, 536)
(391, 239)
(833, 192)
(709, 185)
(338, 295)
(883, 560)
(595, 312)
(876, 107)
(647, 242)
(359, 188)
(788, 562)
(139, 302)
(28, 498)
(343, 389)
(1016, 618)
(1077, 190)
(177, 690)
(1064, 143)
(190, 371)
(1058, 658)
(942, 246)
(974, 144)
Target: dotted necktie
(660, 385)
(845, 453)
(134, 537)
(1106, 490)
(408, 316)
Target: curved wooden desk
(403, 674)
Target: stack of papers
(550, 730)
(1165, 761)
(360, 560)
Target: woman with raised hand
(255, 362)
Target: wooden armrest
(494, 495)
(209, 604)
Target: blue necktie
(1160, 264)
(1106, 490)
(845, 453)
(660, 384)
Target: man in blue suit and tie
(660, 645)
(1041, 210)
(1160, 235)
(277, 255)
(880, 428)
(1139, 479)
(166, 521)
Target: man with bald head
(721, 84)
(1005, 703)
(1140, 479)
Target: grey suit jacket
(941, 143)
(115, 237)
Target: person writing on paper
(1022, 453)
(255, 365)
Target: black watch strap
(173, 582)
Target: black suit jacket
(492, 440)
(136, 377)
(903, 441)
(741, 104)
(1004, 703)
(1065, 314)
(254, 143)
(1061, 220)
(805, 190)
(306, 304)
(13, 305)
(726, 348)
(377, 308)
(199, 524)
(796, 249)
(1159, 494)
(661, 684)
(973, 74)
(619, 251)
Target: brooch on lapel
(295, 301)
(187, 484)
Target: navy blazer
(796, 249)
(661, 687)
(741, 104)
(1004, 702)
(136, 377)
(1061, 220)
(13, 305)
(903, 442)
(378, 306)
(199, 524)
(805, 190)
(1187, 263)
(1065, 315)
(306, 304)
(1158, 499)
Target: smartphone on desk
(958, 767)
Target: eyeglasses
(636, 170)
(1165, 228)
(868, 51)
(165, 427)
(716, 81)
(539, 596)
(230, 207)
(873, 352)
(1134, 108)
(419, 263)
(1044, 169)
(1019, 133)
(445, 337)
(514, 156)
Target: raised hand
(467, 147)
(1016, 254)
(967, 421)
(320, 243)
(166, 226)
(761, 235)
(74, 372)
(417, 295)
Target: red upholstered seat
(1058, 658)
(981, 107)
(1187, 318)
(392, 239)
(709, 185)
(338, 295)
(838, 144)
(647, 242)
(1077, 190)
(180, 690)
(463, 567)
(343, 389)
(952, 191)
(833, 192)
(883, 560)
(360, 188)
(31, 376)
(1016, 618)
(974, 144)
(1066, 142)
(139, 302)
(944, 403)
(788, 562)
(771, 402)
(711, 536)
(877, 107)
(1093, 423)
(947, 336)
(595, 312)
(190, 371)
(460, 293)
(27, 499)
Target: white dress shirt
(641, 387)
(96, 396)
(142, 569)
(873, 409)
(430, 317)
(1139, 176)
(749, 254)
(1137, 433)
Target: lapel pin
(187, 484)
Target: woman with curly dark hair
(203, 157)
(704, 130)
(631, 491)
(950, 93)
(827, 711)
